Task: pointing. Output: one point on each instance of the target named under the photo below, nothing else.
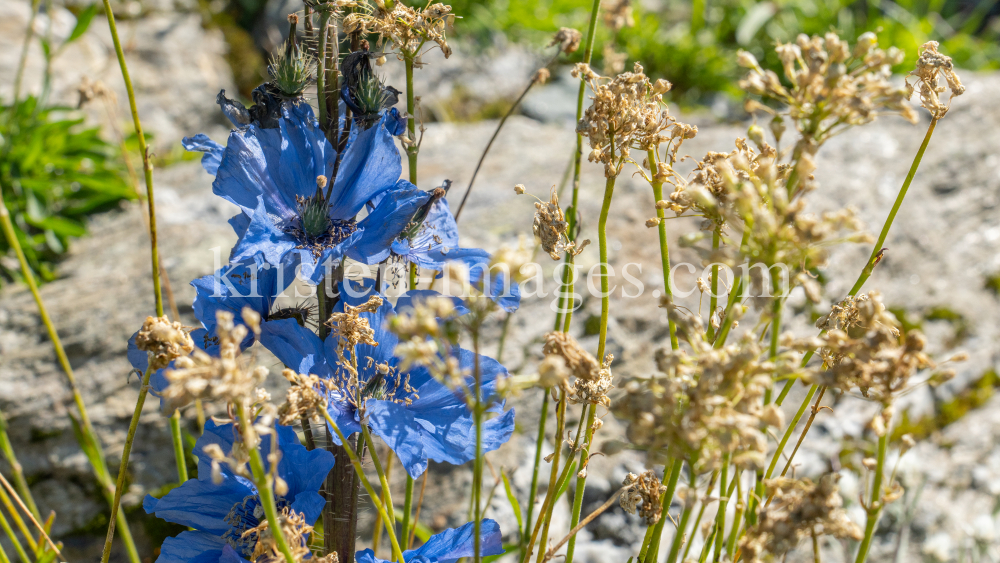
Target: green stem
(727, 317)
(602, 239)
(18, 473)
(324, 21)
(875, 506)
(407, 507)
(413, 275)
(775, 325)
(98, 462)
(411, 121)
(383, 480)
(581, 482)
(359, 471)
(895, 209)
(29, 34)
(478, 465)
(789, 431)
(720, 536)
(720, 518)
(657, 185)
(713, 299)
(263, 480)
(123, 467)
(675, 545)
(175, 434)
(545, 512)
(146, 161)
(533, 491)
(697, 519)
(671, 479)
(18, 521)
(5, 526)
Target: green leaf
(82, 23)
(513, 500)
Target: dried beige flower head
(296, 531)
(799, 509)
(424, 320)
(644, 493)
(406, 28)
(567, 38)
(552, 229)
(226, 377)
(305, 398)
(628, 112)
(831, 87)
(931, 67)
(704, 403)
(593, 380)
(163, 340)
(350, 328)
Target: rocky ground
(944, 245)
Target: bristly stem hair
(90, 442)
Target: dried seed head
(163, 340)
(644, 493)
(406, 28)
(542, 75)
(305, 398)
(617, 14)
(551, 228)
(931, 67)
(593, 380)
(567, 38)
(798, 509)
(519, 189)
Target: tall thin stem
(407, 508)
(713, 298)
(29, 34)
(264, 482)
(477, 485)
(657, 185)
(321, 86)
(147, 163)
(602, 239)
(411, 121)
(533, 491)
(875, 503)
(18, 473)
(93, 444)
(689, 502)
(177, 439)
(581, 481)
(650, 545)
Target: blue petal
(344, 415)
(439, 233)
(394, 123)
(138, 358)
(198, 504)
(303, 470)
(229, 555)
(192, 547)
(222, 435)
(296, 346)
(312, 270)
(305, 151)
(310, 504)
(456, 543)
(396, 425)
(240, 223)
(251, 282)
(245, 174)
(263, 236)
(395, 209)
(502, 290)
(368, 556)
(370, 166)
(213, 151)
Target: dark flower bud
(363, 90)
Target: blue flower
(493, 282)
(422, 229)
(288, 212)
(418, 417)
(449, 545)
(219, 513)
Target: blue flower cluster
(304, 208)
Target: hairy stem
(411, 121)
(355, 463)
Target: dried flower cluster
(877, 361)
(551, 228)
(593, 379)
(617, 14)
(305, 398)
(644, 493)
(705, 403)
(163, 340)
(831, 87)
(931, 67)
(296, 531)
(568, 40)
(799, 509)
(227, 377)
(628, 112)
(405, 27)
